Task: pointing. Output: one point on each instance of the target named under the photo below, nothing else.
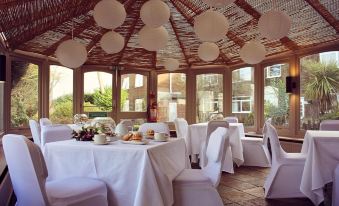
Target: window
(171, 96)
(125, 83)
(98, 92)
(243, 95)
(24, 93)
(133, 99)
(209, 98)
(2, 87)
(276, 100)
(60, 94)
(319, 89)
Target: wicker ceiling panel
(41, 25)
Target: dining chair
(45, 122)
(36, 132)
(211, 126)
(232, 119)
(197, 187)
(181, 127)
(286, 171)
(335, 191)
(330, 125)
(157, 127)
(28, 173)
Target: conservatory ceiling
(39, 26)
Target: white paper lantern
(171, 64)
(274, 25)
(109, 14)
(252, 52)
(112, 42)
(218, 3)
(153, 39)
(208, 51)
(155, 13)
(71, 54)
(211, 26)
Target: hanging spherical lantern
(211, 26)
(71, 54)
(171, 64)
(153, 39)
(208, 51)
(218, 3)
(274, 25)
(112, 42)
(109, 14)
(252, 52)
(155, 13)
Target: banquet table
(197, 134)
(322, 158)
(134, 174)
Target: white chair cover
(330, 125)
(53, 133)
(35, 130)
(181, 127)
(128, 123)
(45, 122)
(28, 174)
(335, 192)
(194, 187)
(157, 127)
(231, 119)
(213, 125)
(286, 171)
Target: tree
(322, 84)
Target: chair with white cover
(181, 127)
(335, 192)
(284, 178)
(55, 132)
(36, 132)
(159, 127)
(45, 122)
(231, 119)
(329, 125)
(128, 123)
(28, 174)
(198, 187)
(211, 126)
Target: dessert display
(127, 137)
(150, 134)
(136, 136)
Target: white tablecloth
(322, 149)
(197, 134)
(134, 174)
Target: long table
(135, 174)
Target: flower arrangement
(86, 133)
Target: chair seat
(192, 176)
(252, 140)
(71, 190)
(291, 158)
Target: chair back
(213, 125)
(27, 170)
(45, 122)
(36, 132)
(266, 144)
(231, 119)
(128, 123)
(329, 125)
(277, 151)
(181, 127)
(157, 127)
(215, 154)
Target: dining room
(169, 102)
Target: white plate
(143, 142)
(160, 140)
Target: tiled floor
(245, 187)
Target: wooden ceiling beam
(287, 42)
(174, 27)
(324, 13)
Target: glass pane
(60, 94)
(209, 96)
(319, 89)
(24, 93)
(243, 95)
(171, 96)
(98, 92)
(133, 96)
(2, 87)
(276, 99)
